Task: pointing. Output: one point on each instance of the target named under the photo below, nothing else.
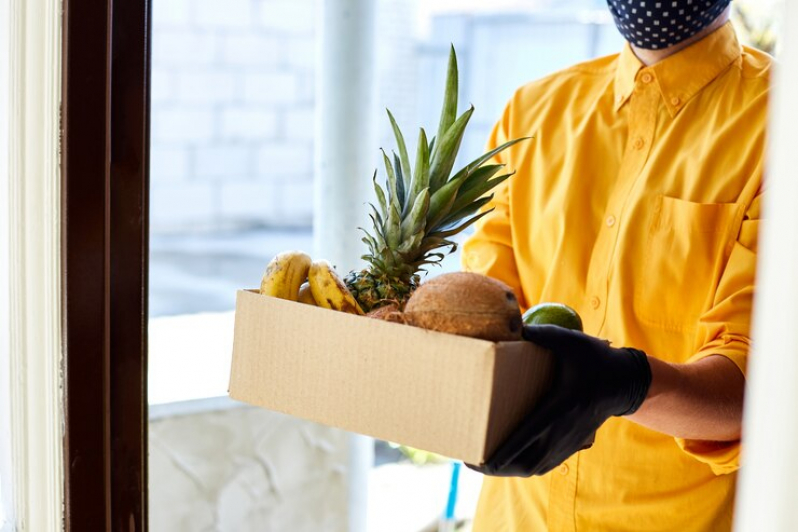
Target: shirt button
(564, 469)
(595, 302)
(676, 101)
(619, 98)
(639, 143)
(610, 220)
(647, 77)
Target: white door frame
(30, 267)
(768, 494)
(6, 503)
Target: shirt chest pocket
(687, 246)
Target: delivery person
(638, 204)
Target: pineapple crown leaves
(423, 205)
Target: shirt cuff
(722, 457)
(733, 347)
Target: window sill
(189, 362)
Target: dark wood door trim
(105, 162)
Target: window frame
(105, 187)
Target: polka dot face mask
(657, 24)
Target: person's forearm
(701, 401)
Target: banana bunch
(292, 275)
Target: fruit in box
(419, 209)
(422, 206)
(553, 314)
(467, 304)
(329, 290)
(285, 274)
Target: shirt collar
(683, 74)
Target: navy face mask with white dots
(657, 24)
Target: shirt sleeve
(726, 330)
(489, 250)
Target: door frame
(105, 201)
(30, 327)
(766, 492)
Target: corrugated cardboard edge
(522, 375)
(443, 409)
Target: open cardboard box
(456, 396)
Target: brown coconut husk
(467, 304)
(388, 313)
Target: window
(233, 104)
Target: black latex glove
(592, 382)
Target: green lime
(553, 314)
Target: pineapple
(424, 207)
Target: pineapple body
(374, 290)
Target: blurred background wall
(233, 92)
(232, 184)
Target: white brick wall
(271, 88)
(184, 47)
(252, 202)
(246, 123)
(300, 124)
(301, 51)
(254, 49)
(206, 86)
(297, 201)
(182, 124)
(226, 14)
(233, 107)
(397, 58)
(162, 85)
(182, 204)
(223, 161)
(294, 159)
(171, 13)
(169, 163)
(233, 114)
(289, 16)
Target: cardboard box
(448, 394)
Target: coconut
(388, 313)
(467, 304)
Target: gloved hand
(592, 382)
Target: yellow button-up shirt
(637, 203)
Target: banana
(284, 275)
(329, 290)
(305, 295)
